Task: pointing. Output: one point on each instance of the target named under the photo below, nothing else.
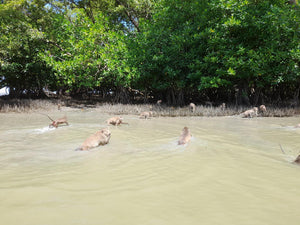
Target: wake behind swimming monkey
(185, 136)
(115, 121)
(101, 137)
(297, 126)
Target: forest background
(243, 52)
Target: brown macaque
(263, 109)
(250, 113)
(146, 115)
(115, 121)
(192, 107)
(101, 137)
(223, 106)
(57, 122)
(185, 136)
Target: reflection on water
(232, 171)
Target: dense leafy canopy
(244, 51)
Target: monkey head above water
(115, 121)
(185, 136)
(101, 137)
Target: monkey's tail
(281, 149)
(47, 116)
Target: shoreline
(55, 105)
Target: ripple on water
(226, 172)
(43, 130)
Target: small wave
(173, 145)
(289, 128)
(43, 130)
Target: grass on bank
(28, 105)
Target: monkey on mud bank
(262, 109)
(250, 113)
(192, 107)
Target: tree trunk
(296, 97)
(122, 96)
(175, 98)
(242, 97)
(257, 96)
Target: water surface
(232, 172)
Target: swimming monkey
(146, 115)
(115, 121)
(185, 136)
(101, 137)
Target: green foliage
(218, 44)
(164, 50)
(168, 48)
(20, 43)
(85, 54)
(253, 42)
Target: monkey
(297, 160)
(158, 105)
(146, 115)
(185, 136)
(101, 137)
(223, 106)
(115, 121)
(250, 113)
(192, 107)
(57, 122)
(262, 108)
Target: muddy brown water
(232, 171)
